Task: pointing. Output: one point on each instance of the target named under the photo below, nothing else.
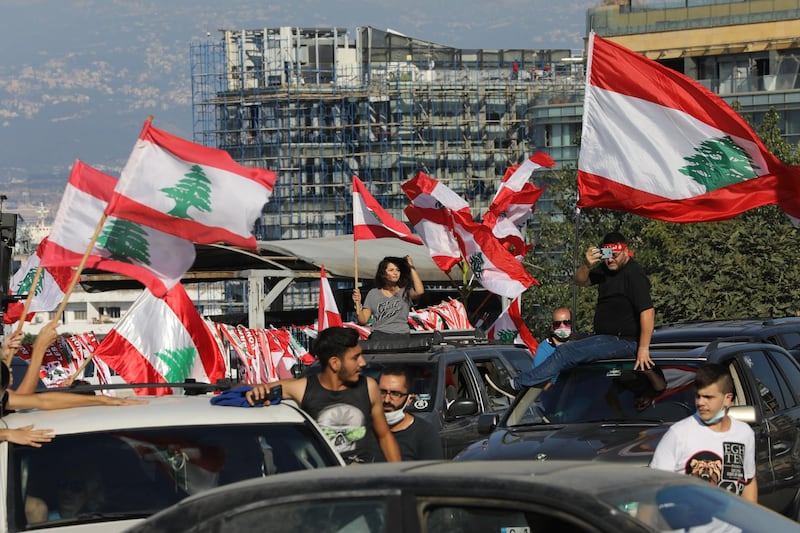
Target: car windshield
(610, 391)
(685, 507)
(423, 381)
(134, 473)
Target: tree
(743, 267)
(125, 241)
(194, 190)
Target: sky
(79, 77)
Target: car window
(339, 515)
(768, 389)
(789, 375)
(457, 383)
(520, 359)
(496, 382)
(138, 472)
(694, 508)
(498, 518)
(610, 391)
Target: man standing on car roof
(346, 404)
(710, 444)
(623, 318)
(417, 438)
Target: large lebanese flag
(371, 221)
(495, 268)
(158, 260)
(328, 312)
(658, 144)
(49, 290)
(516, 178)
(162, 341)
(427, 192)
(194, 192)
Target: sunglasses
(557, 323)
(395, 394)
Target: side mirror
(745, 413)
(487, 422)
(461, 408)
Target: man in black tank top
(346, 404)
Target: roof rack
(190, 387)
(423, 341)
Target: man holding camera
(624, 316)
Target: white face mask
(563, 332)
(395, 417)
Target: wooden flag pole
(79, 269)
(82, 366)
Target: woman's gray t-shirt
(390, 312)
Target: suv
(603, 411)
(784, 332)
(110, 467)
(455, 376)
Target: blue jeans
(572, 353)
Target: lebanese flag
(426, 192)
(494, 267)
(194, 192)
(328, 312)
(434, 227)
(660, 145)
(158, 260)
(48, 293)
(371, 221)
(162, 341)
(507, 233)
(516, 177)
(510, 328)
(517, 206)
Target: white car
(110, 467)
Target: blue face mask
(716, 418)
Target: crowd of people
(366, 419)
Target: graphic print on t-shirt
(388, 308)
(343, 424)
(727, 473)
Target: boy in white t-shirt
(710, 444)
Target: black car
(455, 377)
(449, 497)
(784, 332)
(601, 411)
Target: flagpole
(575, 251)
(79, 269)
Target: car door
(777, 435)
(461, 387)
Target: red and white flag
(517, 176)
(426, 192)
(162, 341)
(328, 311)
(658, 144)
(495, 268)
(510, 328)
(371, 221)
(49, 290)
(435, 228)
(194, 192)
(156, 259)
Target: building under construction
(319, 106)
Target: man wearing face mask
(417, 439)
(709, 444)
(560, 333)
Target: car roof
(586, 477)
(160, 411)
(711, 329)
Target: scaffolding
(319, 107)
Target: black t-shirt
(621, 296)
(419, 441)
(345, 418)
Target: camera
(606, 252)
